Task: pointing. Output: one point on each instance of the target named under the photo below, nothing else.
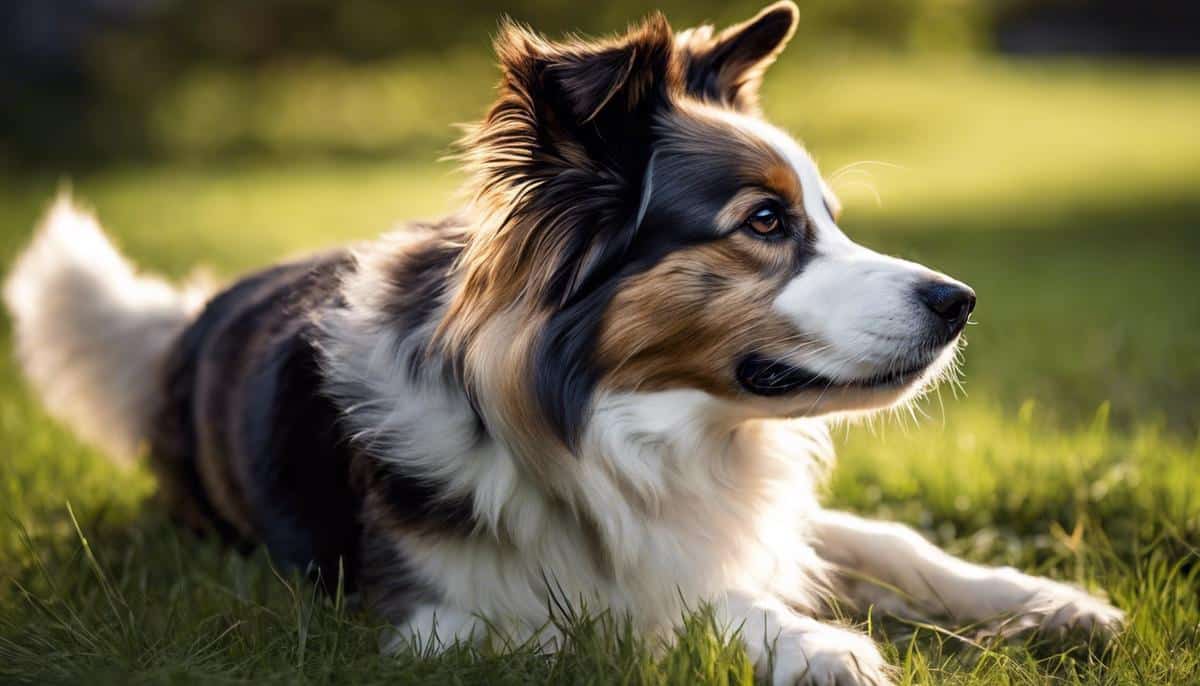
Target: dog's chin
(807, 392)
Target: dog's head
(643, 228)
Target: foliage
(100, 99)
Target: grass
(1064, 192)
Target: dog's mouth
(769, 377)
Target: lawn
(1065, 193)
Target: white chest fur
(674, 502)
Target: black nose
(952, 302)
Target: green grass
(1065, 193)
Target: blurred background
(93, 81)
(1048, 153)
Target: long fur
(90, 331)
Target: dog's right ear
(727, 68)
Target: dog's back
(244, 441)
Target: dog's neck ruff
(660, 481)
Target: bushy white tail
(91, 334)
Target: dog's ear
(575, 120)
(590, 92)
(728, 67)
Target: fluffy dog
(607, 377)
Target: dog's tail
(91, 334)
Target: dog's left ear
(612, 79)
(595, 93)
(728, 67)
(575, 120)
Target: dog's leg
(894, 568)
(798, 649)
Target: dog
(606, 379)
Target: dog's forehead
(809, 177)
(754, 149)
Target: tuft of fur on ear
(728, 68)
(558, 162)
(557, 169)
(619, 77)
(583, 80)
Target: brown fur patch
(684, 323)
(498, 368)
(693, 130)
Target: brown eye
(766, 223)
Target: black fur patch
(419, 504)
(299, 460)
(389, 586)
(174, 439)
(416, 277)
(246, 404)
(727, 69)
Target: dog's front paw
(1069, 610)
(827, 657)
(1059, 610)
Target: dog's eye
(766, 223)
